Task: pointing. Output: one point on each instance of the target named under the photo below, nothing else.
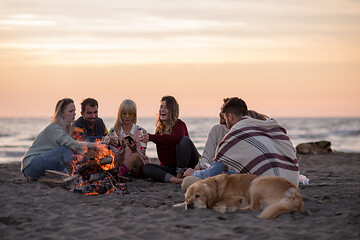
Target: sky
(285, 58)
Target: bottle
(112, 133)
(141, 134)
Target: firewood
(71, 178)
(113, 171)
(56, 174)
(106, 160)
(54, 178)
(90, 166)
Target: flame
(104, 152)
(89, 162)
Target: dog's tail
(291, 202)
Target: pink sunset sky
(284, 58)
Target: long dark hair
(173, 107)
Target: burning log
(92, 166)
(95, 172)
(91, 189)
(86, 168)
(106, 160)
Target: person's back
(252, 146)
(259, 147)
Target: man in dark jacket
(89, 126)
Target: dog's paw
(220, 208)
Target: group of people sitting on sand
(243, 142)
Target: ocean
(17, 134)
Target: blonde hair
(257, 115)
(173, 108)
(59, 109)
(126, 105)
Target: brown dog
(314, 147)
(224, 193)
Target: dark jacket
(81, 131)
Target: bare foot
(175, 180)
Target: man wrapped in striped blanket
(253, 146)
(259, 147)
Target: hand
(96, 145)
(189, 172)
(144, 138)
(105, 140)
(197, 167)
(113, 141)
(132, 146)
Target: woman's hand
(96, 145)
(189, 172)
(114, 140)
(131, 145)
(197, 167)
(144, 138)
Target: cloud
(178, 31)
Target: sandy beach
(37, 211)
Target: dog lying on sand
(314, 147)
(229, 193)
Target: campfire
(92, 172)
(95, 172)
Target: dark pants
(187, 156)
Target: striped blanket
(259, 147)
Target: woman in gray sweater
(54, 147)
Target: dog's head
(314, 147)
(205, 193)
(197, 195)
(324, 146)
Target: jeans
(215, 169)
(55, 159)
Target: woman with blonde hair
(131, 154)
(54, 147)
(175, 150)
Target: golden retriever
(228, 193)
(314, 147)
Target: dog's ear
(215, 188)
(221, 181)
(209, 193)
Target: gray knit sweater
(51, 137)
